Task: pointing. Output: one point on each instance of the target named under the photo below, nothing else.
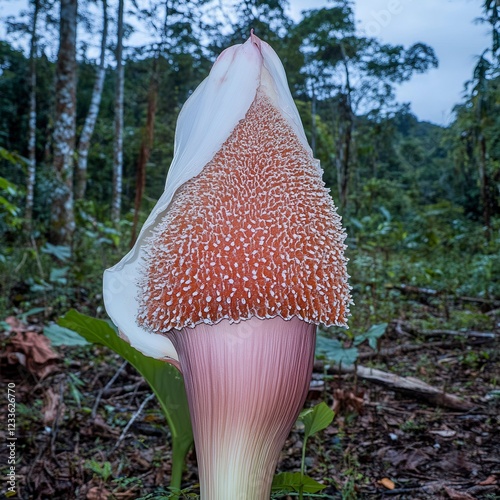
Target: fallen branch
(390, 352)
(399, 349)
(416, 290)
(470, 333)
(493, 312)
(401, 327)
(410, 386)
(480, 300)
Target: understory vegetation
(421, 208)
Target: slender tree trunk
(90, 121)
(313, 121)
(146, 145)
(62, 217)
(485, 188)
(30, 185)
(344, 143)
(345, 137)
(118, 146)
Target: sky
(446, 25)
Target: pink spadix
(238, 262)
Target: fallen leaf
(455, 461)
(489, 480)
(458, 495)
(347, 401)
(445, 433)
(32, 351)
(50, 407)
(98, 427)
(16, 325)
(416, 458)
(386, 483)
(98, 493)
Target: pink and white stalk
(238, 262)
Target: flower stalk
(246, 384)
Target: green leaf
(8, 206)
(62, 336)
(372, 335)
(58, 275)
(292, 482)
(165, 381)
(316, 419)
(30, 312)
(333, 350)
(386, 213)
(60, 252)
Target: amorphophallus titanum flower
(237, 264)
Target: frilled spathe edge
(205, 122)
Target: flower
(240, 259)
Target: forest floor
(382, 443)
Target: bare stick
(105, 388)
(131, 421)
(402, 327)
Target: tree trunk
(345, 136)
(90, 121)
(30, 184)
(146, 144)
(62, 217)
(344, 143)
(313, 121)
(118, 146)
(485, 188)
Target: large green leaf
(293, 481)
(165, 381)
(372, 335)
(333, 350)
(316, 419)
(59, 335)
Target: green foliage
(334, 350)
(287, 482)
(165, 381)
(314, 420)
(59, 335)
(372, 336)
(103, 471)
(10, 212)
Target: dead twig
(131, 421)
(416, 290)
(400, 349)
(55, 428)
(401, 327)
(470, 333)
(407, 348)
(480, 300)
(105, 388)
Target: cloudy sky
(446, 25)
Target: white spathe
(205, 122)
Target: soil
(381, 444)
